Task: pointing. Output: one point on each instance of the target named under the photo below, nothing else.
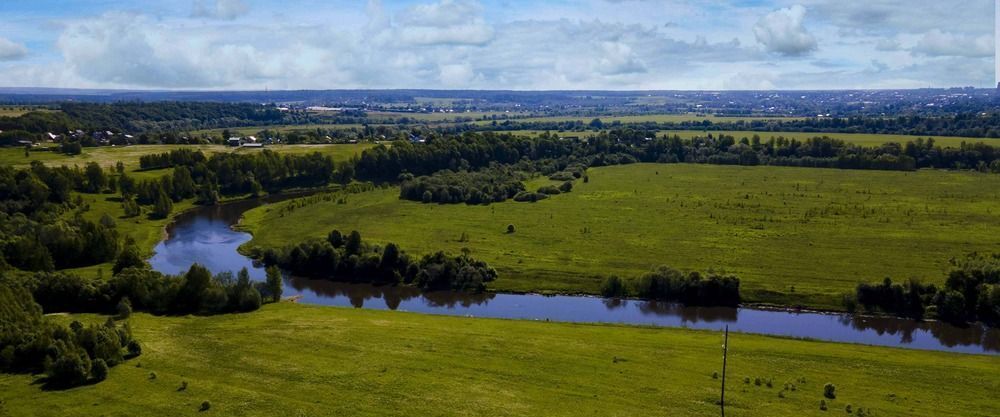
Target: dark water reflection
(204, 236)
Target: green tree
(183, 184)
(99, 370)
(274, 283)
(96, 180)
(353, 244)
(124, 308)
(163, 206)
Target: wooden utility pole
(725, 352)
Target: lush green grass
(108, 156)
(14, 111)
(794, 235)
(295, 360)
(862, 139)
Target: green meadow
(297, 360)
(794, 235)
(108, 156)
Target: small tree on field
(274, 283)
(510, 229)
(830, 391)
(124, 308)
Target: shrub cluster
(491, 185)
(668, 284)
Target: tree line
(971, 293)
(347, 258)
(667, 284)
(965, 124)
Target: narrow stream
(204, 235)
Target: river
(204, 235)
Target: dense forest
(208, 179)
(40, 218)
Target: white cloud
(618, 59)
(938, 43)
(10, 50)
(782, 32)
(452, 22)
(489, 45)
(219, 9)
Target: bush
(566, 186)
(613, 287)
(822, 405)
(205, 405)
(549, 190)
(562, 176)
(124, 308)
(510, 229)
(134, 348)
(830, 391)
(526, 197)
(69, 369)
(99, 370)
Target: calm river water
(204, 236)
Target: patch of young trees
(971, 293)
(348, 258)
(491, 185)
(667, 284)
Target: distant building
(253, 145)
(234, 141)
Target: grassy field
(862, 139)
(14, 111)
(108, 156)
(296, 360)
(794, 235)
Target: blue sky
(506, 44)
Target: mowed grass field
(794, 235)
(297, 360)
(861, 139)
(108, 156)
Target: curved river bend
(204, 235)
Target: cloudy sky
(504, 44)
